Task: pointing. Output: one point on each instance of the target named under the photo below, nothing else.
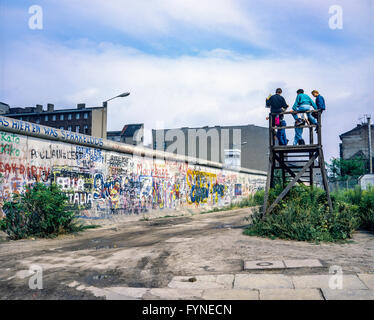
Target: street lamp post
(105, 105)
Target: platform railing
(316, 115)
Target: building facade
(4, 108)
(355, 142)
(89, 121)
(131, 134)
(249, 142)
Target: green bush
(363, 199)
(304, 215)
(257, 199)
(367, 209)
(41, 211)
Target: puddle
(100, 277)
(112, 246)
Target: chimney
(81, 105)
(50, 107)
(39, 108)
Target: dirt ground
(149, 253)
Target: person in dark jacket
(320, 101)
(276, 103)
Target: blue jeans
(302, 109)
(298, 136)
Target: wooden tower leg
(268, 182)
(283, 171)
(311, 173)
(272, 184)
(324, 178)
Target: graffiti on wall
(101, 183)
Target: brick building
(355, 142)
(89, 121)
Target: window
(37, 120)
(45, 118)
(77, 116)
(61, 128)
(69, 116)
(54, 118)
(85, 129)
(77, 128)
(70, 128)
(61, 117)
(85, 115)
(20, 118)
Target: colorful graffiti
(101, 183)
(204, 185)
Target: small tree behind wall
(341, 169)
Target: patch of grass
(252, 201)
(304, 215)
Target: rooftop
(357, 128)
(38, 109)
(127, 131)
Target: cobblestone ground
(202, 256)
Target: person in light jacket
(303, 103)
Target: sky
(190, 63)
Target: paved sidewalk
(247, 287)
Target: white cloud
(160, 18)
(208, 89)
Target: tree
(343, 169)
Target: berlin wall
(102, 177)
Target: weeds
(41, 211)
(304, 215)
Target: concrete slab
(115, 293)
(303, 263)
(322, 281)
(230, 294)
(262, 281)
(348, 294)
(173, 294)
(136, 293)
(203, 282)
(107, 294)
(261, 264)
(367, 279)
(290, 294)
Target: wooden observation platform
(296, 163)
